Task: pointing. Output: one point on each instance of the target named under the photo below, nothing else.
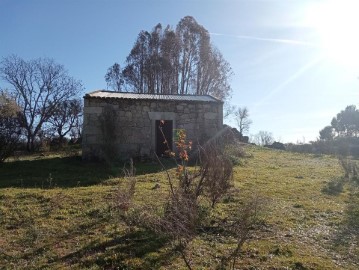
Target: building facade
(124, 125)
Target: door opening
(164, 139)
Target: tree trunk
(30, 144)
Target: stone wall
(135, 123)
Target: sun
(337, 24)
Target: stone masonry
(135, 116)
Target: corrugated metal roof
(125, 95)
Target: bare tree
(114, 77)
(214, 76)
(76, 131)
(228, 110)
(201, 67)
(66, 117)
(194, 48)
(39, 86)
(242, 118)
(10, 130)
(151, 63)
(169, 60)
(181, 61)
(134, 72)
(263, 138)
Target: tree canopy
(114, 77)
(326, 134)
(176, 61)
(345, 124)
(66, 117)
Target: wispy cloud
(276, 40)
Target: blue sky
(292, 63)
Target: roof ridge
(131, 95)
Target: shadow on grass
(347, 238)
(139, 249)
(64, 172)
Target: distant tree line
(42, 101)
(341, 137)
(173, 61)
(345, 124)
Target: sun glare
(337, 24)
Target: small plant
(50, 181)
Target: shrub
(235, 152)
(217, 170)
(333, 187)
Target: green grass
(72, 223)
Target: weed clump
(334, 187)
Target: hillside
(57, 212)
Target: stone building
(128, 124)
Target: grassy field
(57, 212)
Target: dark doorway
(164, 139)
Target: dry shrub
(240, 226)
(217, 171)
(183, 215)
(350, 167)
(122, 199)
(180, 222)
(180, 219)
